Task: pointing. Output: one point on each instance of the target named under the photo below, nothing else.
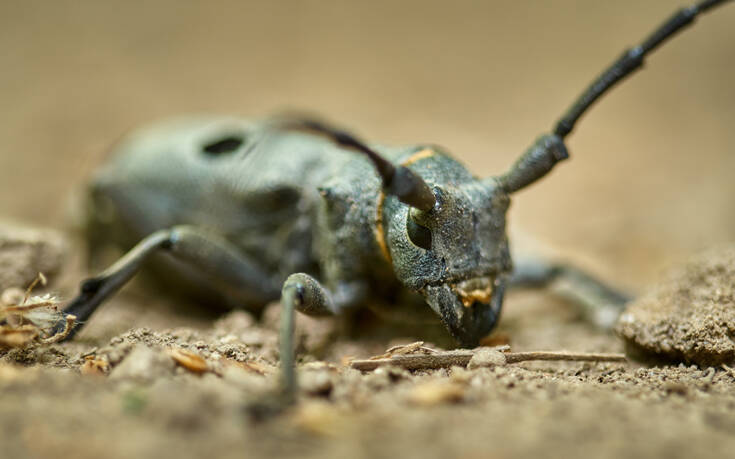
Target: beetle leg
(208, 252)
(601, 303)
(305, 294)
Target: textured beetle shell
(294, 202)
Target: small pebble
(144, 364)
(486, 358)
(436, 392)
(316, 382)
(317, 418)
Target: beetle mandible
(248, 212)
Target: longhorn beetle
(250, 211)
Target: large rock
(26, 251)
(690, 316)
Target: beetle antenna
(399, 181)
(631, 60)
(549, 149)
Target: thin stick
(68, 326)
(404, 349)
(462, 358)
(514, 357)
(40, 278)
(30, 307)
(417, 361)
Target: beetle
(247, 212)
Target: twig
(32, 306)
(462, 358)
(40, 279)
(417, 361)
(514, 357)
(404, 349)
(68, 326)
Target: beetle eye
(418, 234)
(223, 145)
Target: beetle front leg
(209, 253)
(305, 294)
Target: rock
(316, 382)
(486, 357)
(437, 392)
(235, 321)
(26, 251)
(144, 364)
(318, 418)
(689, 317)
(246, 380)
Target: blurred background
(651, 176)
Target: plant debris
(189, 360)
(404, 349)
(94, 366)
(462, 357)
(26, 319)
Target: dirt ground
(55, 404)
(649, 183)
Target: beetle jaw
(469, 309)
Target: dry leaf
(18, 336)
(94, 367)
(189, 360)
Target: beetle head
(456, 253)
(444, 230)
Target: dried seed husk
(189, 360)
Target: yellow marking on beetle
(468, 298)
(418, 156)
(379, 228)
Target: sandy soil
(650, 183)
(125, 397)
